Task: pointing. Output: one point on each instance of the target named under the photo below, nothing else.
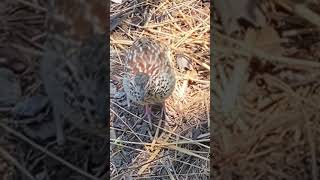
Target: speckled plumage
(149, 77)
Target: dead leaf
(184, 63)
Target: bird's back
(148, 59)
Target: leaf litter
(177, 148)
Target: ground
(179, 147)
(266, 90)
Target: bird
(74, 80)
(149, 77)
(73, 66)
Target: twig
(249, 51)
(29, 141)
(13, 161)
(32, 5)
(307, 14)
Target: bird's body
(75, 83)
(149, 77)
(73, 68)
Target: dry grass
(23, 156)
(168, 151)
(267, 122)
(21, 36)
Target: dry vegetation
(267, 92)
(21, 36)
(28, 149)
(179, 148)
